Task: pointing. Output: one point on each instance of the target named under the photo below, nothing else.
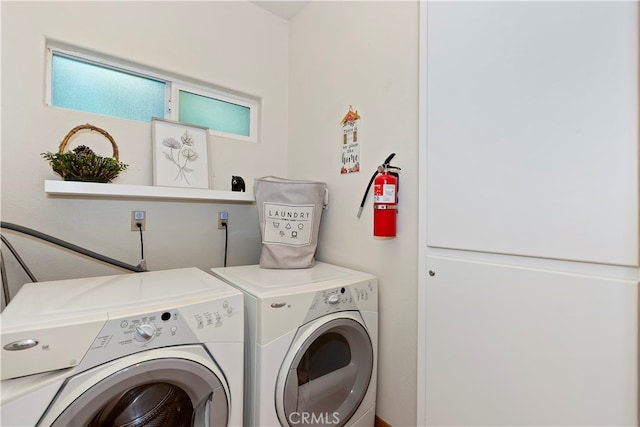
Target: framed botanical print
(180, 154)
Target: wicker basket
(82, 164)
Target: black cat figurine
(237, 183)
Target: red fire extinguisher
(385, 199)
(385, 203)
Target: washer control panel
(193, 324)
(142, 330)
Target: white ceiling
(283, 9)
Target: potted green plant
(82, 164)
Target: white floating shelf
(92, 189)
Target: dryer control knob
(333, 299)
(145, 332)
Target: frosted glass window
(84, 86)
(86, 81)
(214, 113)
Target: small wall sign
(350, 143)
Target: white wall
(231, 44)
(364, 54)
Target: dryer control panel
(361, 296)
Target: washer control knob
(333, 299)
(145, 332)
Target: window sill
(90, 189)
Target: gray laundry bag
(289, 212)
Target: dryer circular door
(170, 387)
(326, 373)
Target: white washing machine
(311, 345)
(140, 349)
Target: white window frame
(172, 87)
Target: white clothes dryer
(311, 345)
(139, 349)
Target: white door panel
(519, 346)
(532, 129)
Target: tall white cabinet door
(520, 346)
(532, 129)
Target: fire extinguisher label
(290, 225)
(384, 193)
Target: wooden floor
(381, 423)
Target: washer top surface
(262, 282)
(139, 292)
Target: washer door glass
(149, 404)
(158, 392)
(329, 375)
